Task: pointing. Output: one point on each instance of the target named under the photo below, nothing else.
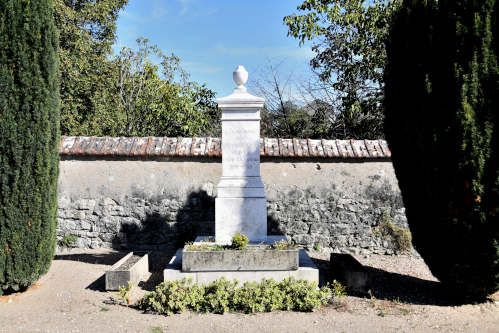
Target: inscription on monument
(241, 148)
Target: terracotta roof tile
(269, 147)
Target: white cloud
(185, 6)
(193, 66)
(159, 9)
(220, 48)
(154, 11)
(194, 9)
(288, 51)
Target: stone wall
(161, 202)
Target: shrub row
(222, 296)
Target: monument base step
(307, 270)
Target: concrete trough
(349, 272)
(254, 258)
(117, 277)
(306, 270)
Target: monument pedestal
(245, 215)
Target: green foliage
(156, 330)
(124, 293)
(161, 105)
(287, 120)
(174, 296)
(349, 39)
(206, 246)
(124, 95)
(401, 238)
(442, 97)
(282, 245)
(338, 290)
(89, 99)
(222, 296)
(29, 141)
(239, 241)
(68, 241)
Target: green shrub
(239, 241)
(442, 102)
(400, 238)
(222, 296)
(68, 241)
(29, 141)
(338, 290)
(124, 293)
(174, 296)
(282, 245)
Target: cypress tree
(442, 124)
(29, 141)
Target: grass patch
(156, 330)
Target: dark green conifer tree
(29, 141)
(442, 124)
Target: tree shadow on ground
(107, 258)
(401, 288)
(157, 263)
(158, 260)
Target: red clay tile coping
(212, 147)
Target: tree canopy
(161, 105)
(349, 39)
(128, 94)
(87, 31)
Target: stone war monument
(241, 207)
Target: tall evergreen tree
(442, 102)
(29, 141)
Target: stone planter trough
(255, 258)
(119, 276)
(349, 272)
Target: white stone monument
(241, 205)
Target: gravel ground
(405, 298)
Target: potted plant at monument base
(239, 256)
(131, 267)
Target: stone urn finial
(240, 76)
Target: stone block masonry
(145, 202)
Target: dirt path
(405, 298)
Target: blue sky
(213, 37)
